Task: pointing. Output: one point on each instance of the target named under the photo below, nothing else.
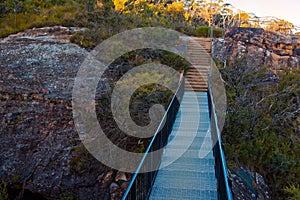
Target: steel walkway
(190, 176)
(189, 169)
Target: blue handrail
(177, 94)
(222, 155)
(219, 144)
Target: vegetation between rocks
(262, 125)
(3, 190)
(205, 31)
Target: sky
(283, 9)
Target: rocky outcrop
(258, 46)
(55, 34)
(41, 153)
(248, 185)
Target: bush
(56, 15)
(204, 31)
(293, 191)
(261, 129)
(218, 32)
(3, 190)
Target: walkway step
(191, 83)
(196, 90)
(196, 82)
(190, 134)
(201, 117)
(197, 67)
(184, 127)
(191, 165)
(191, 101)
(170, 152)
(200, 68)
(199, 54)
(187, 180)
(198, 61)
(193, 110)
(174, 193)
(199, 71)
(196, 73)
(192, 144)
(196, 87)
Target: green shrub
(204, 31)
(293, 191)
(218, 32)
(56, 15)
(89, 38)
(3, 190)
(67, 196)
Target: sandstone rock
(106, 180)
(259, 47)
(113, 187)
(54, 33)
(248, 185)
(124, 186)
(121, 176)
(38, 140)
(115, 192)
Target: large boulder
(41, 154)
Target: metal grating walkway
(192, 175)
